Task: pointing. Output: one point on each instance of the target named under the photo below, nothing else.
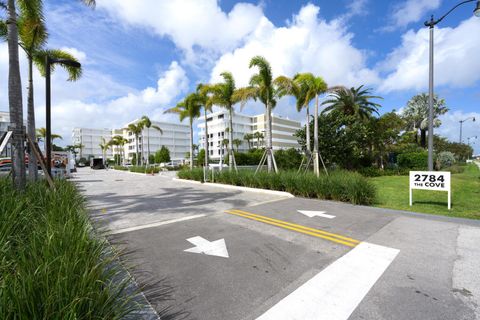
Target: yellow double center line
(296, 227)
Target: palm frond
(157, 128)
(89, 3)
(39, 60)
(3, 30)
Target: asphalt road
(228, 254)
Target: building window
(220, 116)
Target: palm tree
(352, 102)
(190, 108)
(248, 137)
(147, 123)
(261, 88)
(119, 142)
(415, 115)
(41, 134)
(223, 144)
(15, 99)
(312, 87)
(224, 96)
(104, 146)
(204, 93)
(259, 136)
(14, 83)
(237, 143)
(136, 129)
(287, 86)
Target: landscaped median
(338, 185)
(52, 266)
(138, 169)
(393, 194)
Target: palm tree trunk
(191, 144)
(316, 164)
(269, 137)
(230, 139)
(32, 159)
(15, 101)
(423, 138)
(141, 151)
(148, 145)
(307, 132)
(138, 156)
(206, 140)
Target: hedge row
(339, 185)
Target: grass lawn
(392, 192)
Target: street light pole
(461, 125)
(48, 123)
(431, 24)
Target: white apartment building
(91, 140)
(282, 131)
(175, 137)
(217, 131)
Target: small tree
(237, 143)
(201, 158)
(162, 155)
(134, 159)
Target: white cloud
(456, 58)
(356, 8)
(307, 44)
(411, 11)
(450, 128)
(189, 23)
(80, 55)
(95, 100)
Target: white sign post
(430, 180)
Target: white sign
(430, 180)
(312, 214)
(214, 248)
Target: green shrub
(456, 169)
(162, 155)
(144, 169)
(289, 159)
(376, 172)
(120, 168)
(413, 160)
(339, 185)
(51, 264)
(445, 159)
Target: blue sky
(140, 57)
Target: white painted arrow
(214, 248)
(316, 213)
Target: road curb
(228, 186)
(187, 181)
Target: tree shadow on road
(108, 207)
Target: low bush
(51, 265)
(413, 160)
(120, 168)
(456, 169)
(144, 169)
(338, 185)
(445, 159)
(376, 172)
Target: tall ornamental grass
(339, 185)
(51, 265)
